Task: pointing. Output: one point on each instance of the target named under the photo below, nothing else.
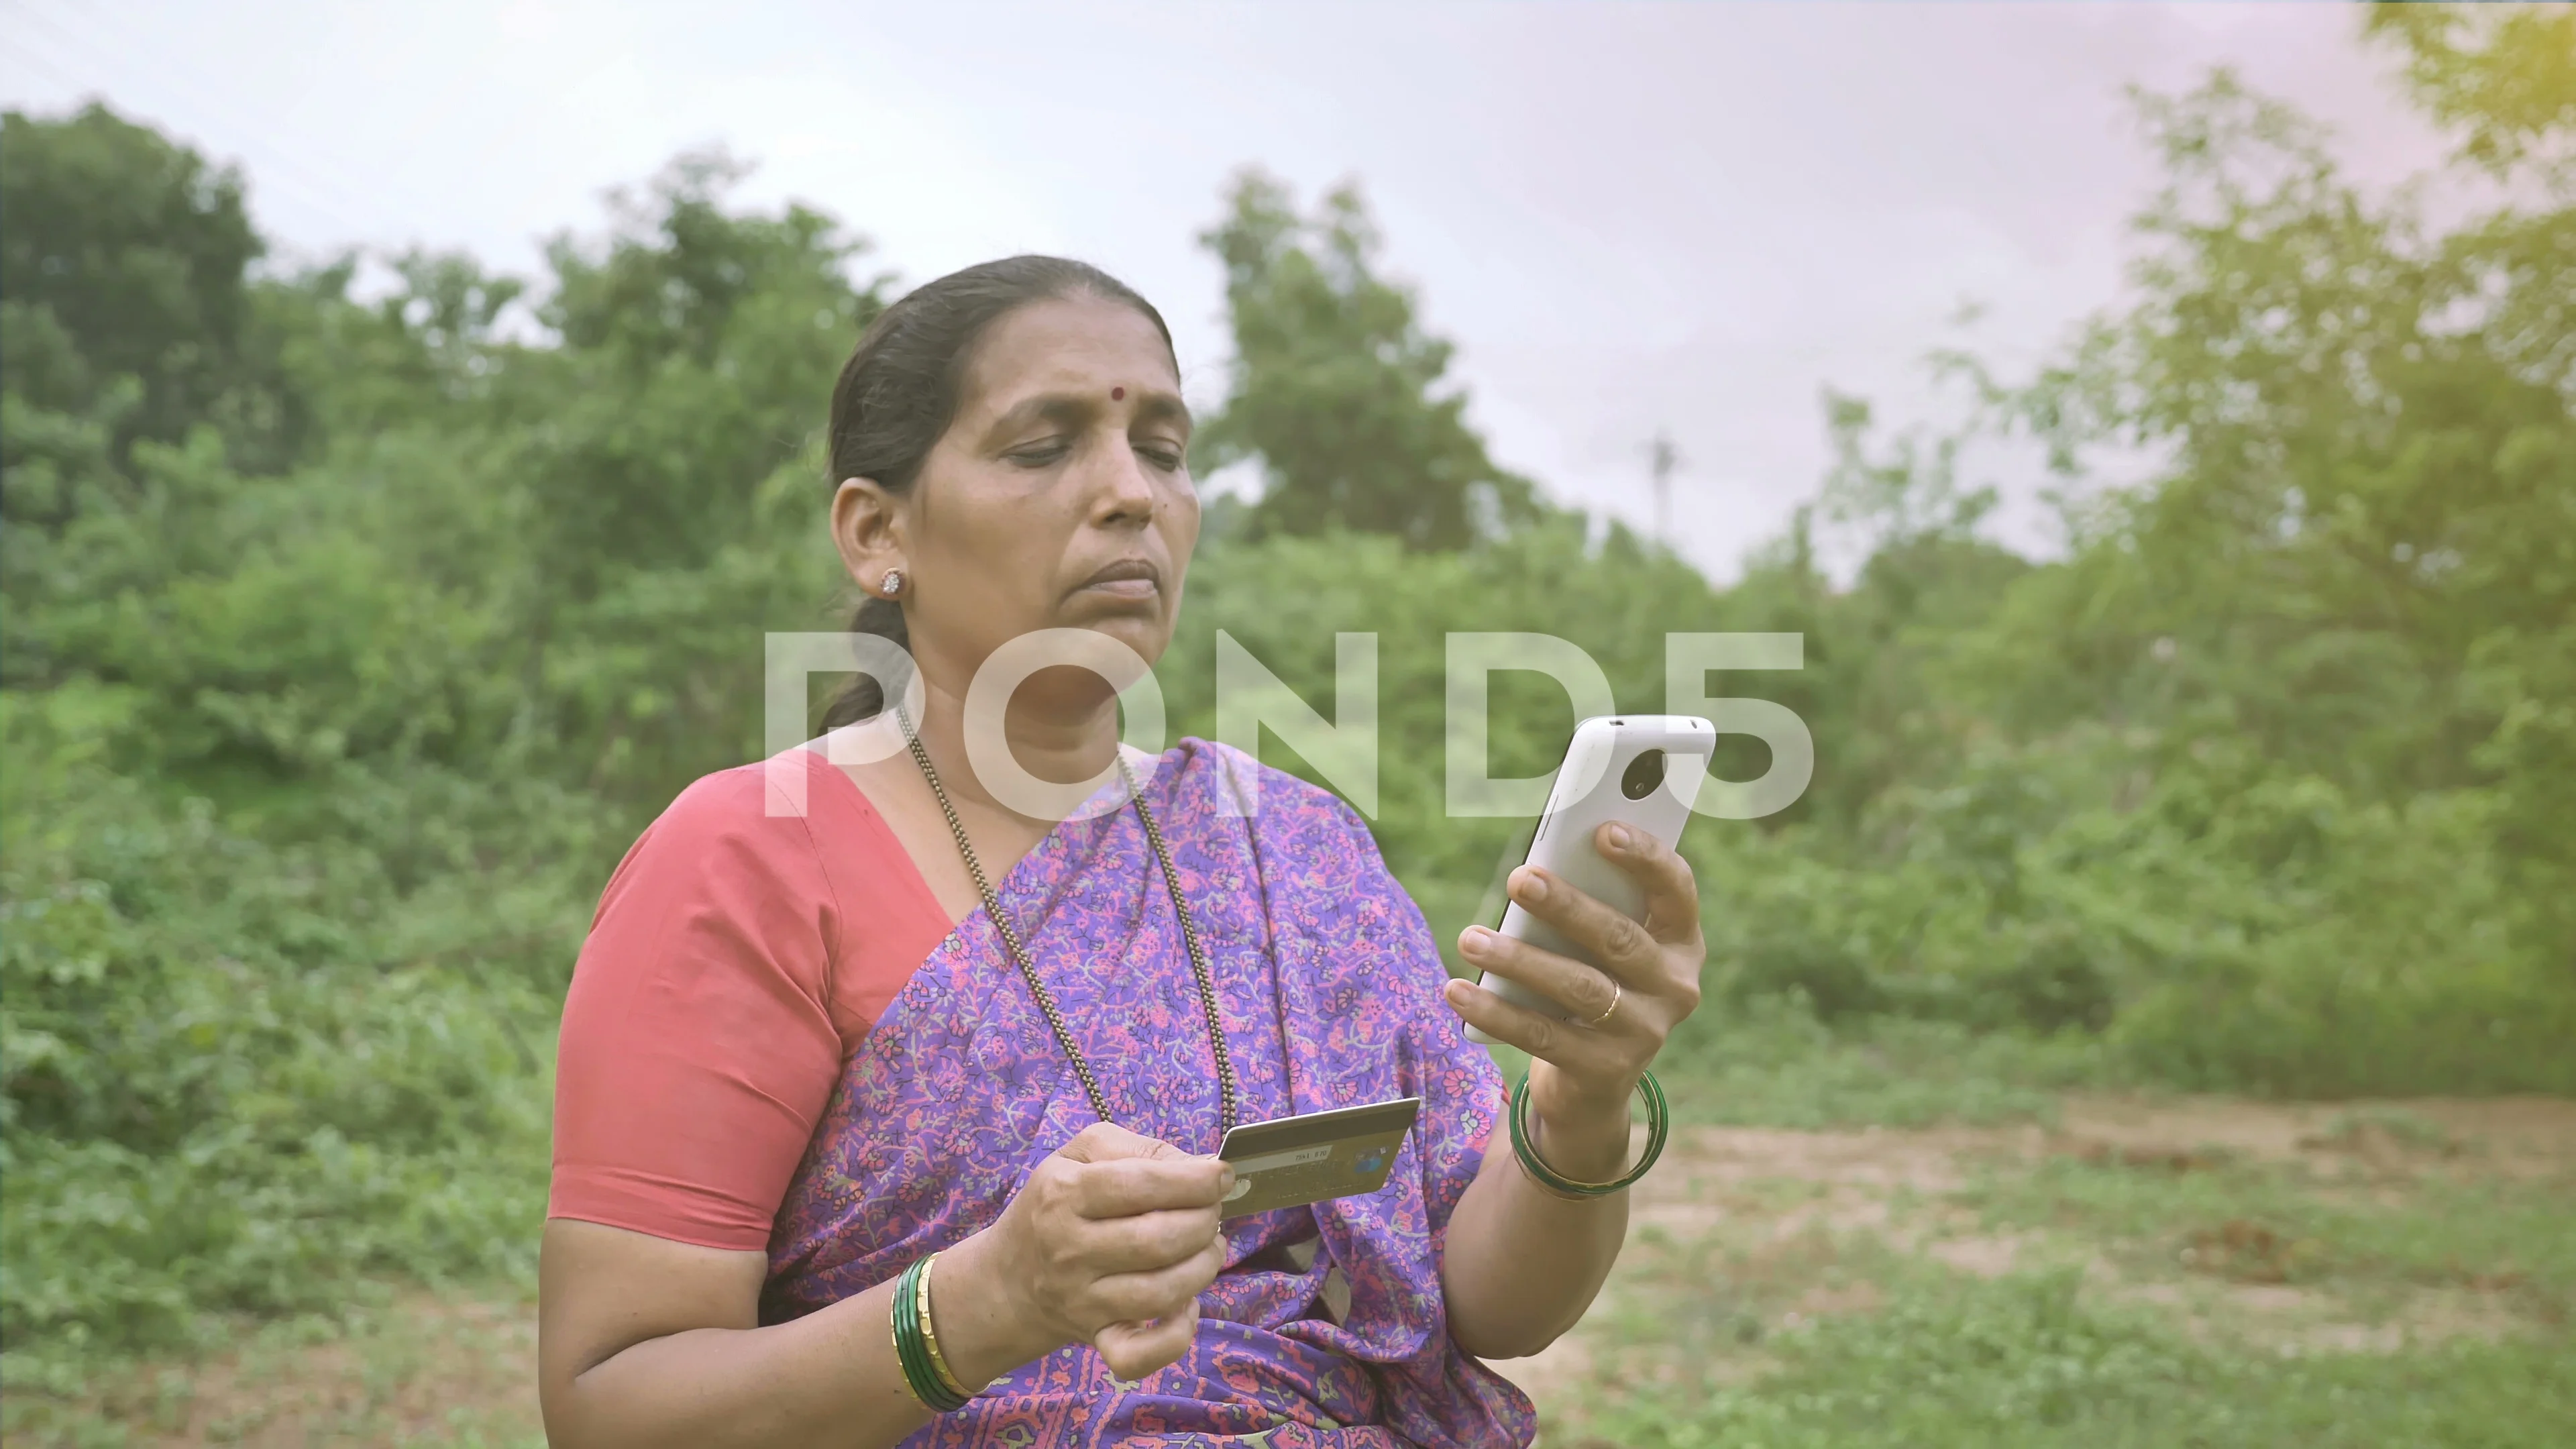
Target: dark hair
(899, 390)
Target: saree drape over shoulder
(1328, 982)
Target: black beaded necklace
(1029, 971)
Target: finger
(1134, 1350)
(1579, 988)
(1614, 943)
(1672, 889)
(1109, 1142)
(1145, 1242)
(1584, 1053)
(1132, 1185)
(1154, 1293)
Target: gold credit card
(1297, 1160)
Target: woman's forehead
(1066, 344)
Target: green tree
(349, 640)
(2504, 76)
(2361, 561)
(122, 295)
(1338, 391)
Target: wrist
(984, 1330)
(1577, 1135)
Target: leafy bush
(232, 1080)
(350, 640)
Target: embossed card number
(1321, 1155)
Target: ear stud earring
(891, 584)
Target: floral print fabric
(1328, 985)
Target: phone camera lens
(1644, 774)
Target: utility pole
(1664, 459)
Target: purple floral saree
(1329, 986)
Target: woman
(802, 1054)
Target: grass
(1894, 1236)
(448, 1370)
(2035, 1359)
(2379, 1280)
(2378, 1245)
(1770, 1063)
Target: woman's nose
(1123, 490)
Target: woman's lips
(1126, 579)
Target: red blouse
(737, 958)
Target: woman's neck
(1056, 741)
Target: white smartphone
(1639, 770)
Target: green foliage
(2504, 76)
(238, 1072)
(122, 276)
(1770, 1061)
(1285, 599)
(315, 756)
(350, 638)
(1334, 385)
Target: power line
(35, 59)
(278, 165)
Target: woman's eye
(1161, 455)
(1038, 455)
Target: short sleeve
(698, 1044)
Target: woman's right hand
(1109, 1242)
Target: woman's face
(1060, 497)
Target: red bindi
(1117, 393)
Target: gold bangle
(930, 1334)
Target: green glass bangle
(912, 1352)
(902, 1316)
(1659, 1121)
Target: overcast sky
(1627, 217)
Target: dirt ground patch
(447, 1370)
(1760, 1185)
(2508, 1136)
(426, 1369)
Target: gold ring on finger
(1616, 991)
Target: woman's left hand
(1620, 1012)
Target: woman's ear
(868, 526)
